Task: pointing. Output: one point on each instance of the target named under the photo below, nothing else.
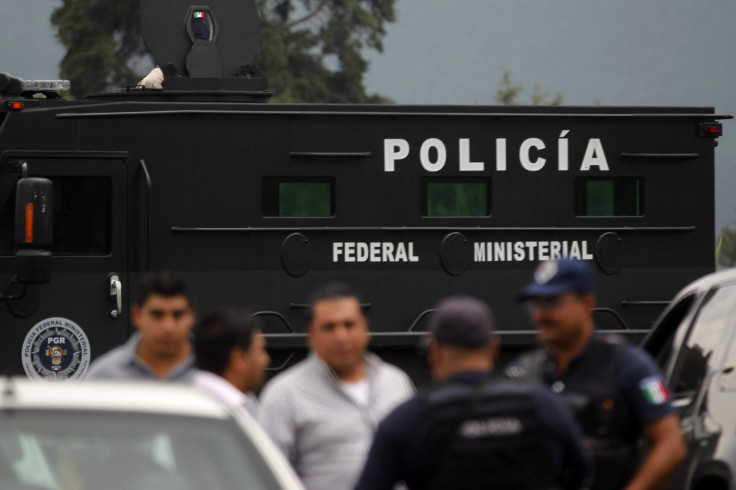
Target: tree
(104, 48)
(300, 39)
(311, 50)
(508, 93)
(726, 251)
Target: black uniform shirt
(615, 390)
(401, 447)
(638, 380)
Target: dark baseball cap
(462, 321)
(554, 277)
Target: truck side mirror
(33, 230)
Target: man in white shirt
(231, 356)
(322, 412)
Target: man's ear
(590, 301)
(434, 354)
(135, 315)
(237, 358)
(310, 333)
(495, 351)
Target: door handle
(116, 292)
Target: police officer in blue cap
(473, 430)
(616, 390)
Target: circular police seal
(56, 349)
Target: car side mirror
(33, 230)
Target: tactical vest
(591, 391)
(484, 438)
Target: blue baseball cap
(554, 277)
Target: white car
(694, 342)
(115, 436)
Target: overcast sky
(615, 52)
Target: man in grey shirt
(322, 413)
(161, 349)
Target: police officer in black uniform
(616, 390)
(472, 430)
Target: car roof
(707, 282)
(113, 396)
(154, 397)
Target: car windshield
(114, 451)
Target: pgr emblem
(56, 349)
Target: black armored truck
(259, 203)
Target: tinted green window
(618, 196)
(298, 197)
(82, 207)
(455, 197)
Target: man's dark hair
(218, 333)
(165, 284)
(332, 291)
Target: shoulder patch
(654, 390)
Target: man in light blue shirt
(161, 349)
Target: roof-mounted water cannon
(205, 48)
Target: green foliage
(102, 43)
(301, 38)
(726, 256)
(508, 93)
(545, 98)
(311, 50)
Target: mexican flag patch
(654, 390)
(199, 15)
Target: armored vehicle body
(259, 203)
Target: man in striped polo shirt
(322, 413)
